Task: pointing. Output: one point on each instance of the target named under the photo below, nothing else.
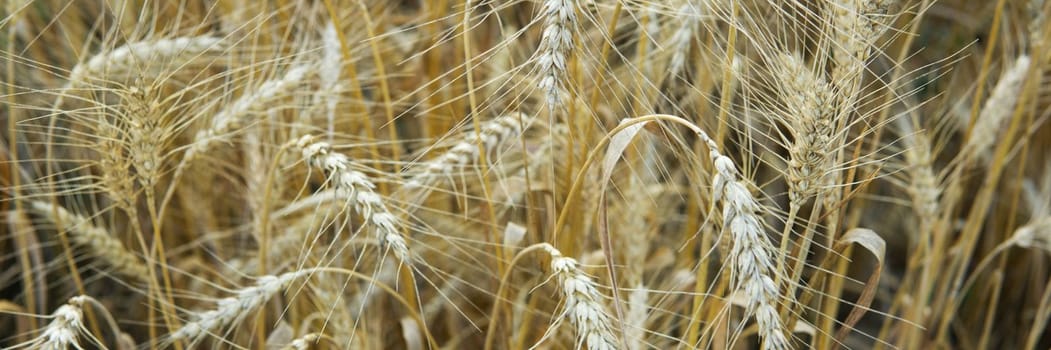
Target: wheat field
(525, 174)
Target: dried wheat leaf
(617, 144)
(875, 245)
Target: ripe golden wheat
(525, 174)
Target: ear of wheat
(127, 59)
(95, 240)
(556, 45)
(356, 187)
(493, 134)
(752, 258)
(64, 330)
(230, 117)
(582, 305)
(231, 310)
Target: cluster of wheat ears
(525, 174)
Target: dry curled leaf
(875, 245)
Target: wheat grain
(634, 229)
(303, 343)
(682, 40)
(114, 164)
(751, 254)
(1037, 16)
(923, 186)
(810, 120)
(1036, 234)
(692, 260)
(331, 65)
(66, 326)
(330, 75)
(638, 310)
(146, 134)
(857, 24)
